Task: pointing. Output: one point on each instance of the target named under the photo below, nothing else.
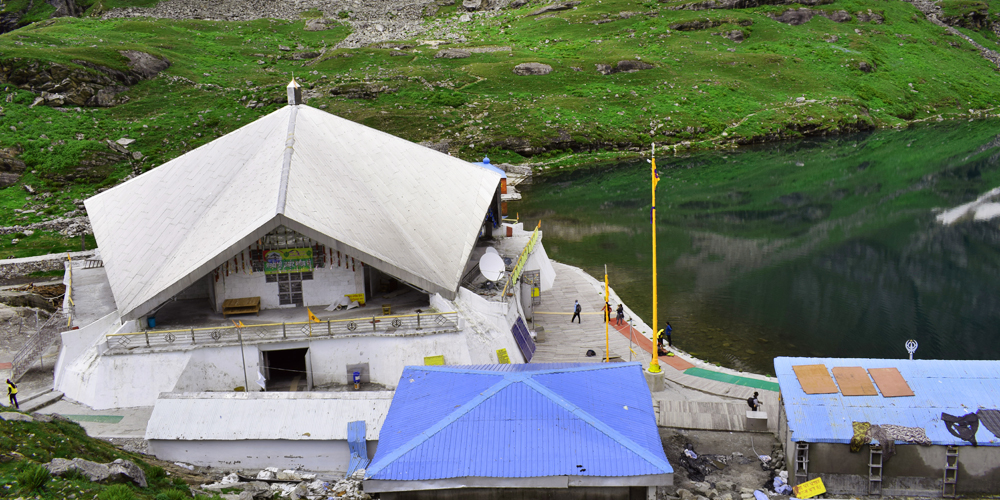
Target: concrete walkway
(565, 342)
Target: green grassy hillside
(25, 446)
(704, 90)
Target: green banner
(291, 260)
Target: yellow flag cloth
(312, 317)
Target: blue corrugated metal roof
(520, 421)
(939, 386)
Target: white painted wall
(328, 285)
(488, 327)
(317, 456)
(135, 379)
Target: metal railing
(36, 345)
(404, 324)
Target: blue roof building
(905, 439)
(520, 426)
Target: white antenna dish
(492, 251)
(492, 266)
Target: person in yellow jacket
(12, 394)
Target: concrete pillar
(654, 380)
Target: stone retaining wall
(10, 268)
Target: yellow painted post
(654, 366)
(607, 316)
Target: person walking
(576, 312)
(12, 394)
(666, 331)
(620, 315)
(753, 402)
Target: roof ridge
(286, 163)
(526, 374)
(437, 427)
(599, 425)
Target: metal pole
(654, 366)
(192, 336)
(246, 382)
(284, 334)
(146, 333)
(329, 331)
(373, 325)
(418, 321)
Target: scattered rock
(362, 90)
(532, 68)
(300, 56)
(865, 67)
(453, 54)
(441, 147)
(796, 17)
(284, 48)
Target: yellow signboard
(434, 360)
(502, 357)
(356, 297)
(809, 489)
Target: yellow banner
(502, 357)
(809, 489)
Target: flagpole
(607, 317)
(654, 366)
(246, 381)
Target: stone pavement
(565, 342)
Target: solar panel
(853, 381)
(523, 339)
(815, 379)
(890, 382)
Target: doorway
(287, 369)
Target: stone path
(562, 342)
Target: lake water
(819, 247)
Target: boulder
(865, 67)
(315, 24)
(289, 475)
(629, 65)
(724, 486)
(517, 3)
(532, 68)
(701, 488)
(91, 470)
(12, 416)
(555, 7)
(300, 492)
(736, 36)
(145, 65)
(626, 66)
(300, 56)
(453, 54)
(473, 5)
(124, 471)
(685, 494)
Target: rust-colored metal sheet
(890, 382)
(853, 381)
(814, 379)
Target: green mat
(733, 379)
(104, 419)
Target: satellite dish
(492, 267)
(492, 251)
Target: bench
(245, 305)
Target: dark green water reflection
(823, 247)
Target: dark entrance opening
(286, 369)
